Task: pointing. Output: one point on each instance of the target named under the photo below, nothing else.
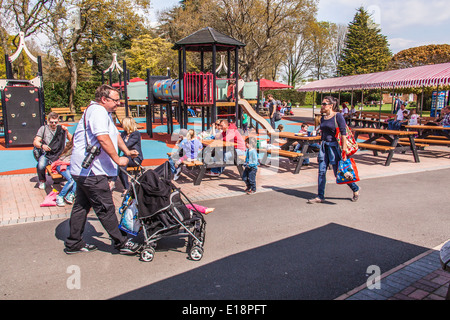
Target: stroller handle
(123, 169)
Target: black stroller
(162, 212)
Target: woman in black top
(132, 138)
(330, 151)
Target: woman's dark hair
(334, 102)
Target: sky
(405, 23)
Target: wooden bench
(426, 119)
(54, 176)
(375, 147)
(283, 153)
(404, 142)
(64, 112)
(372, 118)
(187, 163)
(294, 156)
(437, 137)
(121, 114)
(192, 164)
(440, 142)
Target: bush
(288, 94)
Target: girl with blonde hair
(132, 138)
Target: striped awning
(431, 75)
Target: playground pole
(214, 110)
(148, 112)
(125, 93)
(236, 87)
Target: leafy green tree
(155, 54)
(265, 26)
(94, 23)
(366, 49)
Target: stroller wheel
(147, 254)
(196, 253)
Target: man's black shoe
(86, 248)
(130, 248)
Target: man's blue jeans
(70, 185)
(227, 157)
(40, 168)
(329, 154)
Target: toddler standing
(251, 166)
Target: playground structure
(22, 101)
(202, 89)
(24, 107)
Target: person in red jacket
(230, 134)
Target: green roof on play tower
(205, 39)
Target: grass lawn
(386, 108)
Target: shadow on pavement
(320, 264)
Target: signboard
(438, 100)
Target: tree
(339, 32)
(321, 46)
(299, 55)
(420, 56)
(153, 53)
(265, 26)
(366, 49)
(95, 22)
(28, 17)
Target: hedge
(301, 98)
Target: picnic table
(369, 119)
(382, 140)
(286, 150)
(210, 149)
(425, 131)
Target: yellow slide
(255, 116)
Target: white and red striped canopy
(431, 75)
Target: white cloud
(402, 14)
(393, 13)
(399, 44)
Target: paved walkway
(420, 278)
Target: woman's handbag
(347, 172)
(352, 145)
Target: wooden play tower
(199, 88)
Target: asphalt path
(270, 245)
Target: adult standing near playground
(49, 142)
(330, 151)
(272, 109)
(96, 131)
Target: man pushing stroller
(95, 159)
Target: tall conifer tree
(366, 49)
